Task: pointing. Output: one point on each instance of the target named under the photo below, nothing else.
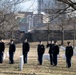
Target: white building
(29, 21)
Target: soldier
(55, 53)
(25, 50)
(12, 49)
(50, 45)
(2, 48)
(40, 51)
(68, 54)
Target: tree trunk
(12, 34)
(74, 38)
(62, 40)
(48, 32)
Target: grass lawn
(32, 68)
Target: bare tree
(8, 10)
(63, 25)
(53, 13)
(71, 3)
(74, 30)
(73, 24)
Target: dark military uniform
(12, 49)
(2, 47)
(51, 46)
(25, 49)
(40, 51)
(55, 53)
(68, 54)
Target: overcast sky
(29, 5)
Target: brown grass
(32, 68)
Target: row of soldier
(53, 52)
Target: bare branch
(70, 3)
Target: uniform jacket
(51, 47)
(69, 51)
(2, 47)
(56, 49)
(40, 49)
(25, 47)
(12, 48)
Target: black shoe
(51, 64)
(68, 66)
(0, 62)
(39, 64)
(25, 63)
(54, 65)
(11, 63)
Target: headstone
(4, 56)
(62, 47)
(7, 54)
(21, 62)
(63, 56)
(46, 57)
(74, 53)
(74, 47)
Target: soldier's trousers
(11, 58)
(54, 59)
(40, 58)
(25, 57)
(68, 61)
(1, 57)
(51, 59)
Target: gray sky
(29, 5)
